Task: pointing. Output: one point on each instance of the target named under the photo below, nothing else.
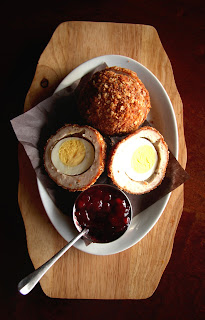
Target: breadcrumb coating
(114, 101)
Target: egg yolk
(72, 152)
(143, 159)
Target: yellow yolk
(72, 152)
(72, 155)
(143, 159)
(140, 159)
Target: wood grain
(135, 273)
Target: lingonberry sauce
(105, 211)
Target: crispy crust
(135, 187)
(86, 179)
(115, 101)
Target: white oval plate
(162, 117)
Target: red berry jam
(105, 211)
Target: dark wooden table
(25, 31)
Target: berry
(106, 207)
(107, 197)
(97, 205)
(80, 204)
(85, 198)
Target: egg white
(131, 146)
(74, 170)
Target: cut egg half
(141, 160)
(137, 164)
(72, 155)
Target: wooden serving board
(136, 272)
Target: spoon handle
(29, 282)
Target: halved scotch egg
(74, 157)
(137, 164)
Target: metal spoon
(29, 282)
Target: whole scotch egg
(114, 101)
(137, 164)
(74, 157)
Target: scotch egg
(74, 157)
(137, 164)
(114, 101)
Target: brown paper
(35, 126)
